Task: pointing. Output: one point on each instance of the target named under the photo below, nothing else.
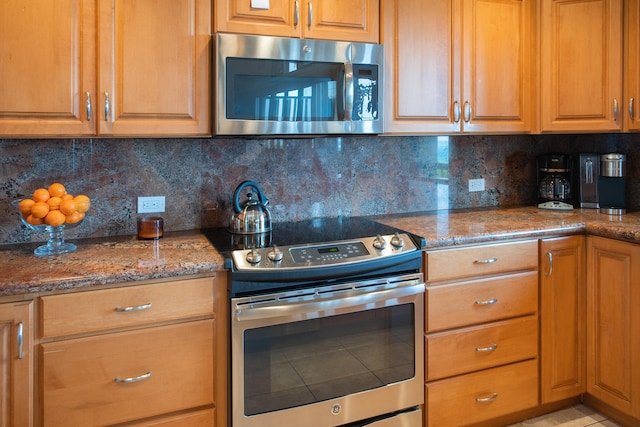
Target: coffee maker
(554, 181)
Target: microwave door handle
(348, 90)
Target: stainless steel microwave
(287, 86)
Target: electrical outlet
(476, 185)
(151, 204)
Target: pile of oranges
(54, 206)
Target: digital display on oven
(329, 250)
(323, 254)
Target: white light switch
(260, 4)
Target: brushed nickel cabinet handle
(550, 256)
(487, 302)
(631, 112)
(456, 112)
(615, 109)
(467, 111)
(20, 339)
(485, 261)
(488, 349)
(88, 106)
(106, 106)
(296, 14)
(310, 10)
(493, 396)
(133, 308)
(133, 379)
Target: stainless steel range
(326, 325)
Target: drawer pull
(133, 379)
(20, 340)
(485, 261)
(133, 308)
(486, 349)
(493, 396)
(487, 302)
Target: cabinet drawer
(479, 347)
(470, 261)
(484, 395)
(105, 309)
(481, 300)
(79, 376)
(191, 419)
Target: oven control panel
(322, 254)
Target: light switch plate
(260, 4)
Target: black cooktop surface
(311, 231)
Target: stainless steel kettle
(251, 215)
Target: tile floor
(575, 416)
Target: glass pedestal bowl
(56, 244)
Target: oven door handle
(335, 300)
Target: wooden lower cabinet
(613, 324)
(142, 354)
(483, 395)
(16, 364)
(562, 318)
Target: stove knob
(397, 241)
(253, 257)
(379, 242)
(275, 254)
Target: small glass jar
(150, 228)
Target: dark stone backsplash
(302, 178)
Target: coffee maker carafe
(554, 182)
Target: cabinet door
(47, 70)
(498, 51)
(562, 314)
(154, 67)
(581, 65)
(421, 66)
(349, 20)
(613, 323)
(631, 107)
(277, 18)
(16, 365)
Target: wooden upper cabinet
(459, 65)
(581, 65)
(154, 68)
(349, 20)
(47, 58)
(631, 104)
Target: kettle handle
(236, 195)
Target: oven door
(328, 355)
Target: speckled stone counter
(125, 259)
(105, 261)
(442, 228)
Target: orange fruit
(57, 190)
(74, 217)
(39, 209)
(67, 196)
(25, 206)
(41, 195)
(55, 218)
(82, 203)
(54, 203)
(68, 207)
(33, 220)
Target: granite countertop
(121, 259)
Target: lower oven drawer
(159, 370)
(480, 347)
(481, 396)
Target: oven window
(299, 363)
